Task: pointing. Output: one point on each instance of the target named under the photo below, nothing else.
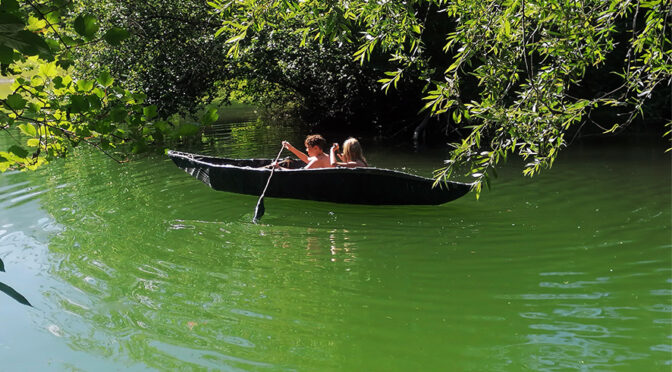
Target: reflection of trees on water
(247, 140)
(160, 277)
(161, 270)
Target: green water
(141, 267)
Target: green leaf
(94, 101)
(78, 104)
(9, 5)
(507, 28)
(115, 36)
(15, 102)
(68, 40)
(14, 294)
(118, 114)
(6, 55)
(58, 82)
(36, 81)
(105, 79)
(86, 25)
(25, 42)
(18, 151)
(28, 130)
(102, 127)
(84, 85)
(98, 92)
(35, 24)
(34, 107)
(54, 45)
(150, 111)
(53, 17)
(33, 142)
(10, 23)
(139, 98)
(48, 69)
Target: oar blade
(259, 210)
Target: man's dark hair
(316, 140)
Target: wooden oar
(260, 209)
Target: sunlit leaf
(53, 17)
(105, 79)
(48, 69)
(4, 164)
(35, 24)
(28, 129)
(84, 85)
(36, 81)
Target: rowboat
(372, 186)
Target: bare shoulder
(320, 161)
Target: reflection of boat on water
(372, 186)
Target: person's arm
(335, 163)
(299, 154)
(311, 164)
(332, 154)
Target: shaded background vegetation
(173, 56)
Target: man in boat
(316, 158)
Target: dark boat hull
(371, 186)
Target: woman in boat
(315, 145)
(352, 155)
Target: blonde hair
(352, 151)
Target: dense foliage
(506, 77)
(170, 54)
(54, 108)
(507, 71)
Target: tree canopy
(512, 73)
(513, 77)
(53, 104)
